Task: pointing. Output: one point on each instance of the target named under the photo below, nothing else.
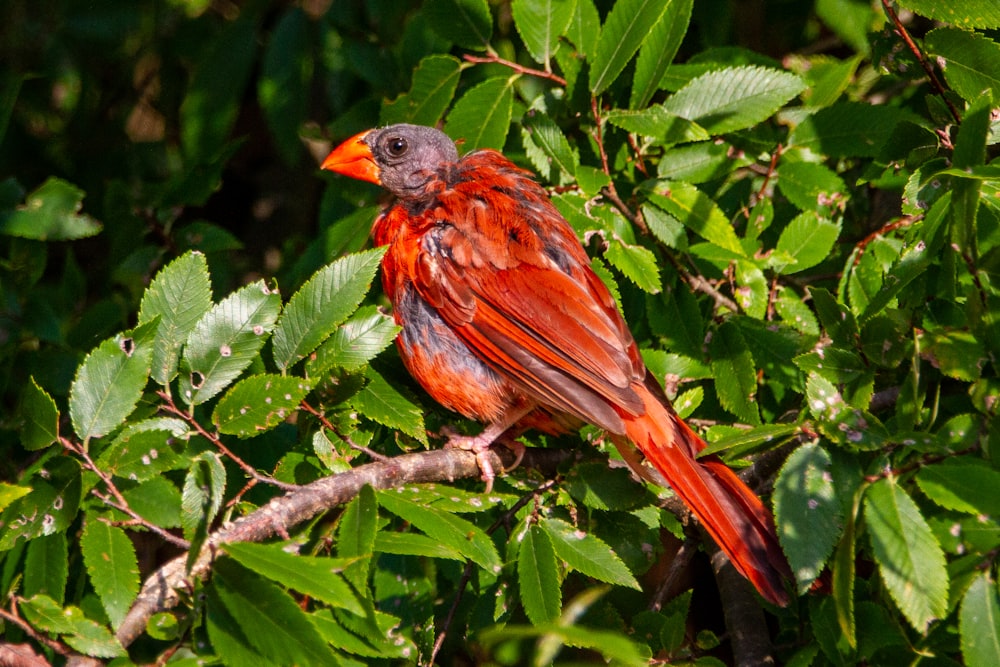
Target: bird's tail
(731, 513)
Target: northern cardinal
(504, 321)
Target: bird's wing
(507, 273)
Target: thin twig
(521, 69)
(12, 617)
(921, 58)
(170, 407)
(328, 425)
(904, 221)
(117, 501)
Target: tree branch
(159, 591)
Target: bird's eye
(396, 146)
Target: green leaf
(482, 116)
(734, 98)
(541, 23)
(157, 500)
(225, 340)
(109, 382)
(453, 531)
(46, 567)
(467, 23)
(414, 544)
(637, 263)
(699, 213)
(911, 265)
(271, 620)
(544, 133)
(587, 554)
(356, 535)
(807, 511)
(848, 129)
(597, 487)
(807, 240)
(50, 213)
(752, 291)
(355, 342)
(657, 123)
(76, 629)
(585, 28)
(909, 557)
(202, 497)
(735, 373)
(812, 187)
(838, 420)
(979, 622)
(259, 403)
(283, 86)
(658, 51)
(625, 28)
(11, 492)
(321, 304)
(180, 294)
(538, 576)
(967, 14)
(970, 61)
(433, 87)
(316, 576)
(112, 566)
(40, 418)
(213, 97)
(381, 402)
(700, 162)
(144, 449)
(227, 636)
(614, 648)
(50, 508)
(963, 487)
(743, 442)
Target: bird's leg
(480, 444)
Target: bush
(797, 208)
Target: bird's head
(401, 158)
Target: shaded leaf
(735, 373)
(699, 213)
(381, 402)
(909, 557)
(482, 116)
(112, 566)
(538, 576)
(807, 512)
(587, 553)
(454, 531)
(979, 622)
(316, 576)
(431, 91)
(50, 213)
(272, 623)
(467, 23)
(40, 417)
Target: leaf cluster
(802, 232)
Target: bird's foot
(481, 448)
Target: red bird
(504, 321)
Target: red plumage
(505, 322)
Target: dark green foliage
(798, 215)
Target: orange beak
(353, 158)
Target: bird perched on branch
(504, 321)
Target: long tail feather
(728, 509)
